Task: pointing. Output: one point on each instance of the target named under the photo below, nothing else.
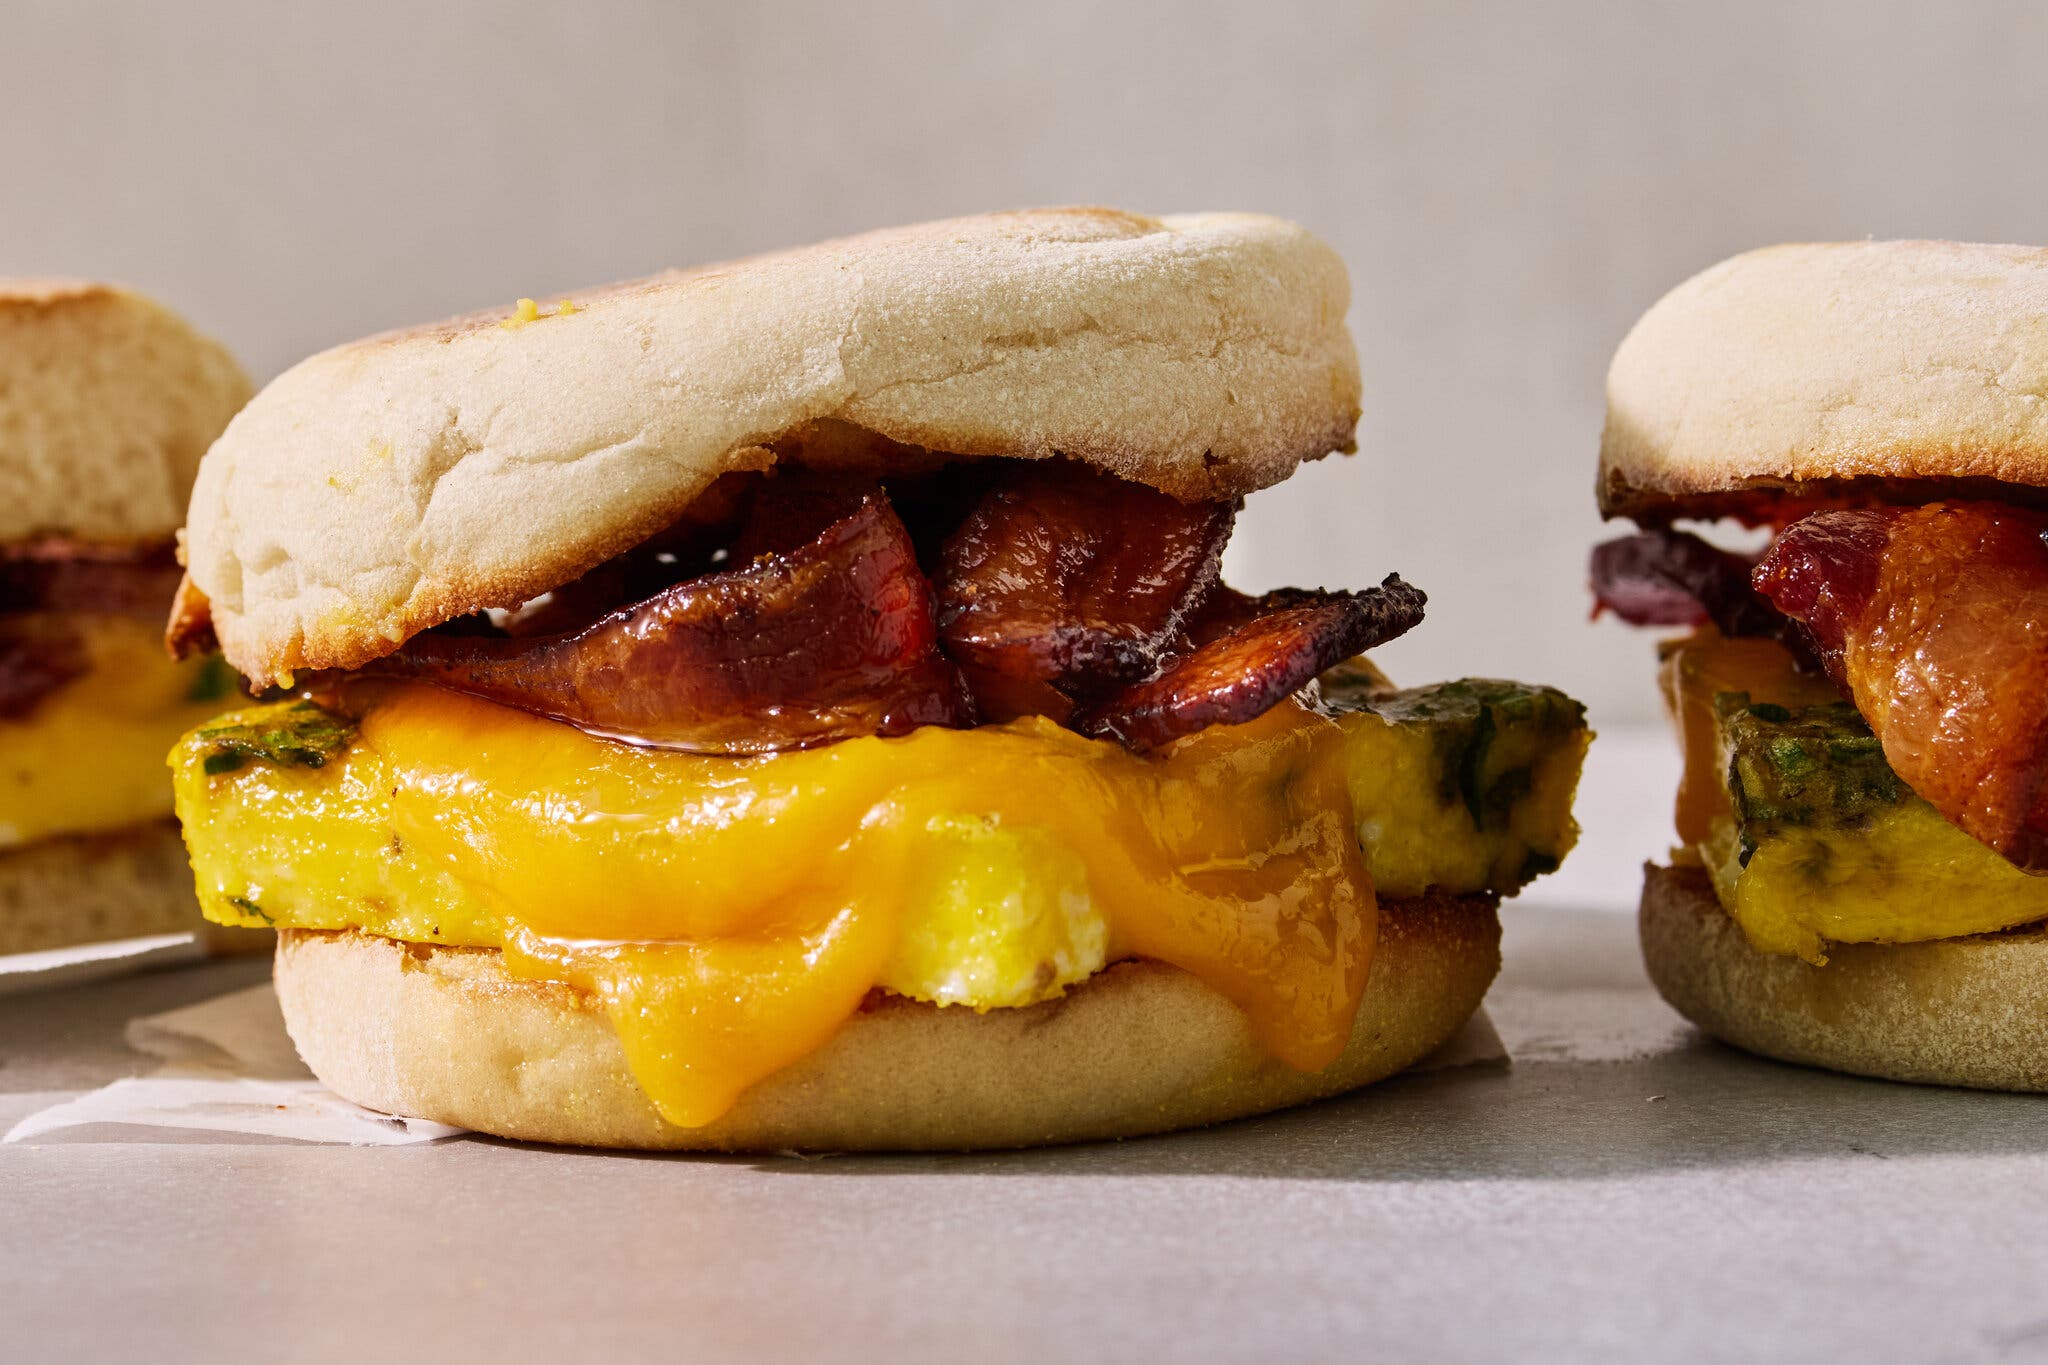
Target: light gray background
(1511, 184)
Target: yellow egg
(731, 912)
(1891, 870)
(88, 756)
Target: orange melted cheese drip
(731, 914)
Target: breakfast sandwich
(1863, 706)
(107, 401)
(793, 703)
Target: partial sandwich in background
(107, 401)
(1864, 707)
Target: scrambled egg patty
(89, 756)
(1462, 788)
(1809, 835)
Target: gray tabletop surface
(1621, 1190)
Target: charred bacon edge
(1252, 665)
(1072, 582)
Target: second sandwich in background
(107, 402)
(1863, 877)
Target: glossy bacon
(686, 548)
(832, 640)
(1267, 649)
(794, 509)
(1932, 618)
(1055, 591)
(1822, 572)
(1064, 582)
(1673, 578)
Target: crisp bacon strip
(1932, 619)
(1279, 644)
(1673, 578)
(830, 641)
(1064, 582)
(1059, 592)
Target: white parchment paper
(227, 1066)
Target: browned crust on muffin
(1836, 370)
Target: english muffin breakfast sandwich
(107, 401)
(1864, 705)
(793, 704)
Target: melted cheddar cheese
(732, 913)
(1896, 872)
(88, 757)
